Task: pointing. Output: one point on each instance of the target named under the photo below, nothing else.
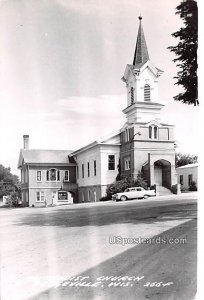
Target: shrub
(117, 187)
(184, 189)
(140, 181)
(174, 189)
(153, 187)
(193, 186)
(105, 198)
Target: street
(89, 251)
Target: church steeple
(141, 80)
(141, 53)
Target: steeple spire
(141, 53)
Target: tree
(8, 182)
(185, 159)
(186, 52)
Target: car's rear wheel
(146, 196)
(123, 198)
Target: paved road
(49, 247)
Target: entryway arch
(162, 173)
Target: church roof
(141, 55)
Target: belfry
(147, 145)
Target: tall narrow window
(111, 162)
(88, 169)
(47, 175)
(190, 179)
(89, 195)
(132, 95)
(58, 175)
(82, 170)
(94, 167)
(77, 172)
(147, 95)
(39, 176)
(66, 175)
(127, 164)
(155, 132)
(150, 132)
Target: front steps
(162, 191)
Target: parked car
(133, 193)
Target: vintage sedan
(133, 193)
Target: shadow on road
(157, 263)
(99, 216)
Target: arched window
(147, 95)
(132, 95)
(53, 175)
(153, 132)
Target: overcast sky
(61, 63)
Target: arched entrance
(162, 173)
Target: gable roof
(110, 140)
(35, 156)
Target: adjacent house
(186, 175)
(143, 145)
(48, 177)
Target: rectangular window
(89, 195)
(58, 175)
(66, 175)
(111, 162)
(127, 164)
(40, 197)
(39, 176)
(82, 170)
(22, 176)
(127, 135)
(94, 167)
(190, 179)
(88, 169)
(181, 179)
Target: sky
(61, 64)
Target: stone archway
(162, 173)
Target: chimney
(26, 142)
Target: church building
(144, 145)
(147, 145)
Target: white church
(143, 145)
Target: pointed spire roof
(141, 53)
